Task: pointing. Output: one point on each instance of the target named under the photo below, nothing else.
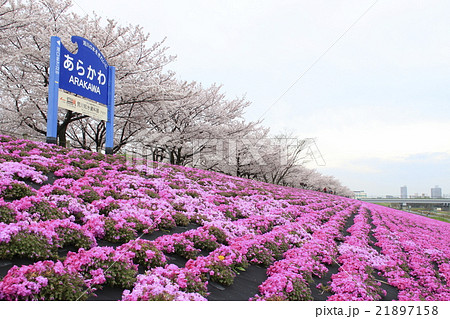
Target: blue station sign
(80, 82)
(84, 73)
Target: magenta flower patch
(92, 222)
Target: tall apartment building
(403, 192)
(436, 192)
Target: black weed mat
(107, 294)
(323, 294)
(106, 243)
(151, 236)
(176, 260)
(349, 223)
(175, 230)
(391, 291)
(372, 239)
(244, 287)
(114, 293)
(62, 252)
(51, 179)
(6, 265)
(325, 280)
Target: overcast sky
(372, 87)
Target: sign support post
(109, 144)
(53, 87)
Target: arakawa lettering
(84, 84)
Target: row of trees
(180, 122)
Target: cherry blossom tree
(24, 69)
(175, 121)
(184, 127)
(235, 150)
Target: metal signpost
(82, 83)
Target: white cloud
(384, 141)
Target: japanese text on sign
(81, 105)
(81, 71)
(85, 72)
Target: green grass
(442, 219)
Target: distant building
(417, 195)
(389, 196)
(403, 192)
(436, 192)
(359, 194)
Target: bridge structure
(412, 202)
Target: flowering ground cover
(77, 225)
